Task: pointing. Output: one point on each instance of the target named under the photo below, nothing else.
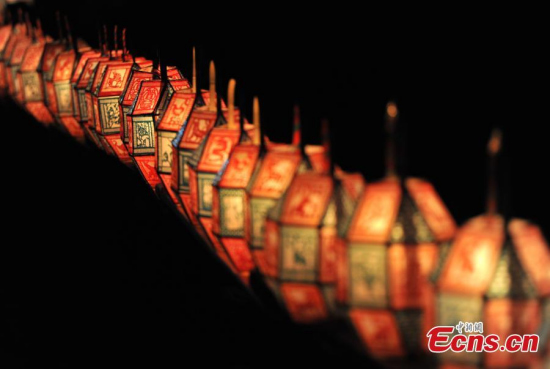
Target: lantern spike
(257, 139)
(115, 39)
(124, 50)
(194, 80)
(212, 93)
(106, 42)
(297, 130)
(59, 27)
(391, 120)
(493, 149)
(325, 133)
(69, 34)
(39, 28)
(231, 124)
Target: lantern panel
(368, 275)
(119, 149)
(32, 57)
(238, 252)
(114, 79)
(473, 257)
(504, 317)
(376, 213)
(379, 331)
(217, 147)
(299, 248)
(270, 259)
(32, 87)
(146, 166)
(109, 115)
(63, 98)
(452, 309)
(240, 166)
(259, 208)
(64, 66)
(164, 156)
(231, 212)
(307, 199)
(142, 137)
(305, 302)
(533, 253)
(275, 174)
(432, 207)
(327, 258)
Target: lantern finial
(257, 139)
(107, 51)
(194, 81)
(391, 119)
(493, 149)
(115, 37)
(124, 50)
(212, 94)
(231, 124)
(325, 133)
(40, 30)
(297, 132)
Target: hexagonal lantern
(229, 198)
(51, 51)
(6, 33)
(202, 118)
(210, 156)
(79, 101)
(141, 129)
(496, 273)
(271, 177)
(300, 242)
(387, 248)
(12, 34)
(23, 41)
(141, 71)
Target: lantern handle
(493, 149)
(296, 128)
(325, 133)
(107, 50)
(231, 124)
(194, 72)
(115, 39)
(392, 114)
(212, 90)
(124, 49)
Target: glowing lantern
(51, 51)
(387, 249)
(272, 175)
(141, 128)
(14, 63)
(175, 113)
(498, 274)
(79, 101)
(6, 33)
(141, 71)
(300, 241)
(229, 198)
(209, 157)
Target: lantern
(202, 118)
(175, 114)
(497, 273)
(51, 51)
(79, 102)
(210, 155)
(141, 129)
(387, 249)
(14, 64)
(300, 241)
(6, 33)
(271, 177)
(141, 71)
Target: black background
(95, 270)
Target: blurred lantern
(202, 118)
(272, 175)
(14, 60)
(497, 274)
(300, 240)
(387, 248)
(6, 33)
(141, 129)
(210, 156)
(229, 199)
(32, 81)
(51, 51)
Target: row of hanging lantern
(382, 255)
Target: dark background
(96, 271)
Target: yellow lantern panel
(129, 97)
(61, 79)
(31, 80)
(240, 166)
(275, 174)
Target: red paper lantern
(387, 249)
(6, 33)
(496, 273)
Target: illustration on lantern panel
(197, 131)
(205, 201)
(232, 206)
(143, 133)
(148, 100)
(368, 275)
(165, 150)
(110, 115)
(299, 253)
(115, 79)
(31, 86)
(258, 212)
(63, 97)
(217, 151)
